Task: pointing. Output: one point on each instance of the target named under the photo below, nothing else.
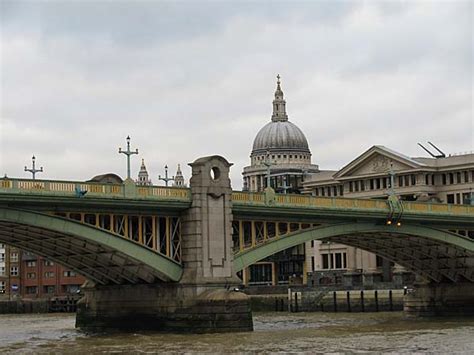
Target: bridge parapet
(58, 188)
(334, 203)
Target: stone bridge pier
(440, 299)
(205, 299)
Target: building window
(312, 263)
(31, 290)
(48, 263)
(466, 177)
(2, 257)
(341, 190)
(14, 257)
(407, 180)
(450, 198)
(31, 275)
(49, 274)
(31, 263)
(69, 273)
(458, 177)
(14, 271)
(444, 179)
(49, 289)
(325, 258)
(2, 286)
(351, 187)
(451, 178)
(413, 180)
(2, 270)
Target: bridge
(161, 257)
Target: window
(2, 270)
(49, 274)
(351, 187)
(31, 290)
(69, 273)
(458, 177)
(432, 179)
(2, 257)
(312, 263)
(49, 289)
(413, 180)
(444, 179)
(466, 177)
(48, 263)
(407, 180)
(14, 257)
(31, 275)
(14, 271)
(371, 184)
(451, 178)
(450, 198)
(325, 258)
(31, 263)
(362, 185)
(341, 190)
(2, 286)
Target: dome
(280, 136)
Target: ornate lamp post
(128, 152)
(33, 170)
(166, 178)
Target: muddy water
(274, 332)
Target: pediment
(377, 160)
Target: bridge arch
(101, 256)
(436, 254)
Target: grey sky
(188, 79)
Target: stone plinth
(455, 299)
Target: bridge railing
(100, 190)
(305, 201)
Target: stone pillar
(206, 298)
(456, 299)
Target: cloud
(188, 79)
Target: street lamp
(166, 178)
(128, 153)
(33, 170)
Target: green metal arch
(163, 265)
(272, 246)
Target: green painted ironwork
(274, 245)
(69, 228)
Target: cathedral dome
(280, 135)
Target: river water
(274, 332)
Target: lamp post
(33, 170)
(128, 153)
(166, 178)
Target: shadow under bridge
(102, 256)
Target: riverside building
(281, 158)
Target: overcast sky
(194, 78)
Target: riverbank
(38, 306)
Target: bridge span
(183, 247)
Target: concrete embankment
(38, 306)
(330, 301)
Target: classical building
(280, 157)
(437, 179)
(280, 151)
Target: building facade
(438, 180)
(43, 278)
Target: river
(274, 332)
